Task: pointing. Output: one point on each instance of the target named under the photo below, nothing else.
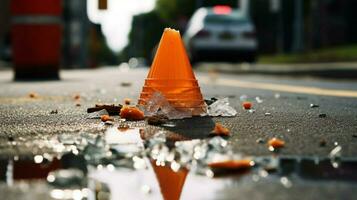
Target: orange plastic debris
(33, 95)
(276, 143)
(77, 97)
(105, 118)
(247, 105)
(232, 164)
(131, 113)
(172, 75)
(171, 183)
(220, 130)
(127, 101)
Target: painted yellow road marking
(280, 87)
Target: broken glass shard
(259, 100)
(221, 108)
(335, 156)
(98, 114)
(158, 105)
(65, 178)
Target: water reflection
(171, 182)
(121, 165)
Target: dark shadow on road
(193, 128)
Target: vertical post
(280, 29)
(84, 32)
(276, 9)
(244, 6)
(298, 26)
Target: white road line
(280, 87)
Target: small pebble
(301, 98)
(54, 112)
(260, 141)
(11, 139)
(322, 143)
(125, 84)
(267, 114)
(322, 115)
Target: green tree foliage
(172, 10)
(99, 52)
(144, 35)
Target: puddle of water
(121, 165)
(322, 169)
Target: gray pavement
(291, 117)
(24, 120)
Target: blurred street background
(97, 33)
(295, 61)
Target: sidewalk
(328, 70)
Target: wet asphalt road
(292, 119)
(25, 120)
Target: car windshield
(225, 19)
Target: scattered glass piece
(221, 108)
(286, 182)
(314, 105)
(335, 156)
(259, 100)
(158, 105)
(98, 114)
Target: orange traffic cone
(171, 183)
(172, 75)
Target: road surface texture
(309, 131)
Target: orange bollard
(172, 75)
(171, 183)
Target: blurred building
(75, 34)
(301, 25)
(4, 30)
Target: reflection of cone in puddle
(171, 183)
(171, 74)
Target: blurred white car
(221, 33)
